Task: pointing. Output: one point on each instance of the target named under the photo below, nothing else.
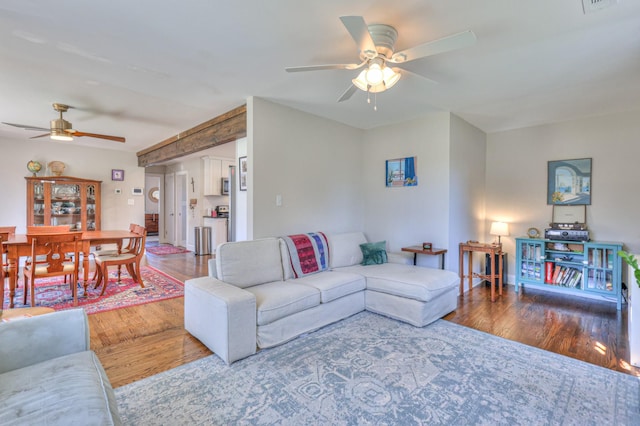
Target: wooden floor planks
(137, 342)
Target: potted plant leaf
(633, 262)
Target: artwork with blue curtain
(401, 172)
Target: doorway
(169, 209)
(175, 231)
(181, 208)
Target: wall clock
(533, 233)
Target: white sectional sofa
(255, 298)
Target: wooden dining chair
(47, 229)
(56, 255)
(5, 233)
(114, 251)
(131, 260)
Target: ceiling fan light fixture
(390, 77)
(361, 81)
(60, 135)
(374, 73)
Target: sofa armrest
(212, 271)
(221, 316)
(29, 341)
(400, 257)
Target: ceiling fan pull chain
(375, 101)
(368, 95)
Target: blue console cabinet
(591, 269)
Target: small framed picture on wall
(117, 174)
(242, 175)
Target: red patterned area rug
(54, 293)
(163, 249)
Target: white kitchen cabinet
(218, 230)
(214, 170)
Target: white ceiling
(149, 69)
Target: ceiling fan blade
(441, 45)
(405, 72)
(40, 136)
(348, 93)
(27, 127)
(95, 135)
(325, 67)
(359, 31)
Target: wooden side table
(493, 250)
(416, 250)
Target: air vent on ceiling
(590, 6)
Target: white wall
(467, 189)
(517, 176)
(405, 216)
(240, 214)
(314, 164)
(80, 161)
(151, 181)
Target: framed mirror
(154, 194)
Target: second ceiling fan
(376, 46)
(61, 129)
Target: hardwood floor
(137, 342)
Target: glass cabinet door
(601, 267)
(531, 266)
(66, 205)
(38, 204)
(91, 207)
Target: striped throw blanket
(309, 253)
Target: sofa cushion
(333, 284)
(374, 253)
(72, 389)
(413, 282)
(308, 253)
(280, 299)
(248, 263)
(345, 249)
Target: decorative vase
(56, 168)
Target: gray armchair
(49, 375)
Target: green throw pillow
(374, 253)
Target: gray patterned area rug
(369, 369)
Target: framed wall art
(569, 182)
(242, 175)
(117, 174)
(401, 172)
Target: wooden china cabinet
(63, 200)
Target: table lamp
(499, 229)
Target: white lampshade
(499, 229)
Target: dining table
(17, 245)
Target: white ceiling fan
(376, 45)
(61, 129)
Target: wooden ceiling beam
(217, 131)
